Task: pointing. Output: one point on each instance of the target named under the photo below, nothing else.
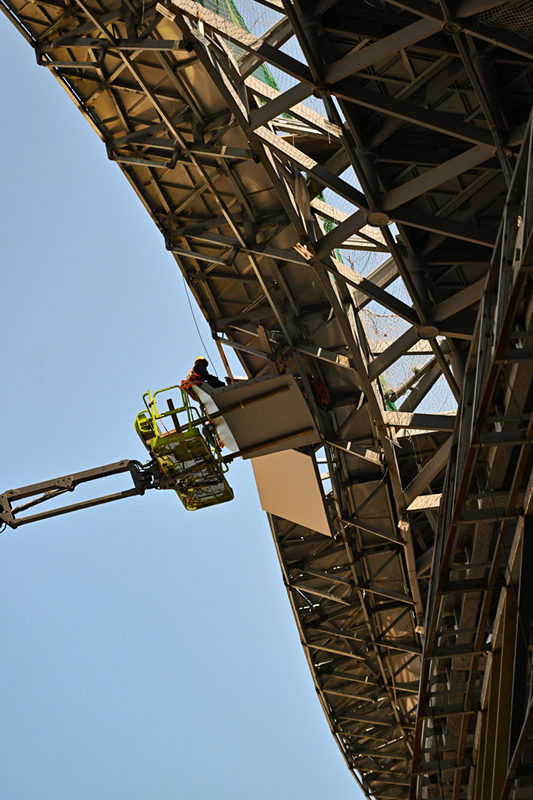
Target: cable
(195, 323)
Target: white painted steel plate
(288, 487)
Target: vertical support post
(501, 736)
(480, 762)
(490, 722)
(491, 767)
(524, 617)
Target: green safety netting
(228, 10)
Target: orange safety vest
(192, 379)
(320, 392)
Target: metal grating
(516, 16)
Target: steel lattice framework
(374, 126)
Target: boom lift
(254, 417)
(186, 458)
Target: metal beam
(283, 102)
(432, 178)
(248, 42)
(359, 59)
(394, 351)
(444, 226)
(435, 422)
(438, 121)
(429, 472)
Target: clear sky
(147, 652)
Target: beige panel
(272, 416)
(288, 487)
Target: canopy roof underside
(331, 187)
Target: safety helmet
(200, 358)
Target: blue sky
(147, 652)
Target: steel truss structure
(396, 130)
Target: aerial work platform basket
(188, 455)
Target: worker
(320, 393)
(198, 375)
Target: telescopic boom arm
(144, 476)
